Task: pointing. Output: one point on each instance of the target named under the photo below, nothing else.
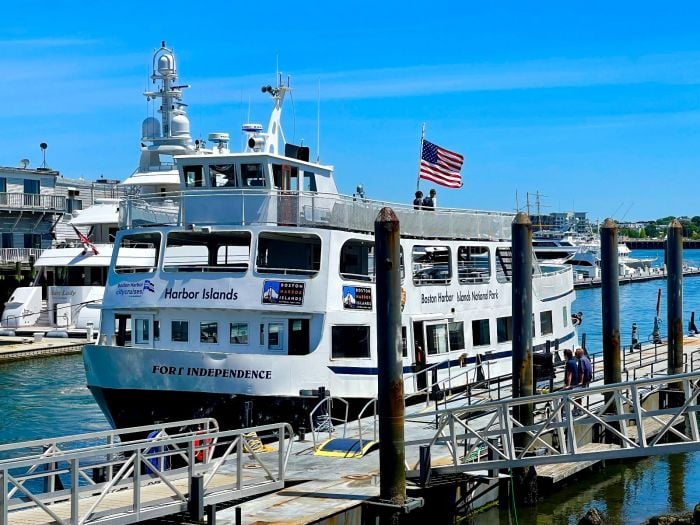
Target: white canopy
(102, 212)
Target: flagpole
(420, 154)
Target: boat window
(156, 330)
(208, 332)
(298, 337)
(480, 332)
(194, 178)
(504, 265)
(566, 316)
(252, 176)
(309, 181)
(436, 338)
(456, 330)
(275, 336)
(504, 329)
(179, 331)
(222, 175)
(262, 334)
(288, 253)
(431, 265)
(473, 264)
(138, 253)
(357, 260)
(142, 331)
(546, 322)
(239, 334)
(350, 342)
(207, 252)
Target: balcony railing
(31, 201)
(19, 255)
(196, 208)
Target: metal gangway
(134, 474)
(646, 417)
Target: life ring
(203, 449)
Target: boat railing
(15, 255)
(237, 207)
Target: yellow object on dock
(345, 447)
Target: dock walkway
(317, 488)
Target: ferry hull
(129, 408)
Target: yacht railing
(234, 207)
(15, 255)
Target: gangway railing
(620, 423)
(322, 420)
(156, 471)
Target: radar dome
(166, 64)
(150, 127)
(180, 126)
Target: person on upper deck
(418, 201)
(429, 201)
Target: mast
(172, 109)
(420, 154)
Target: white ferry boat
(262, 293)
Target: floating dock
(304, 486)
(651, 274)
(14, 348)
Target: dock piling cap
(522, 218)
(609, 223)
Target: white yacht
(69, 285)
(261, 294)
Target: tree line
(657, 228)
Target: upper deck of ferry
(237, 189)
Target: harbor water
(47, 397)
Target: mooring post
(610, 293)
(195, 505)
(523, 384)
(390, 402)
(525, 480)
(674, 282)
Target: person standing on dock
(571, 374)
(585, 369)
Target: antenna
(318, 124)
(43, 147)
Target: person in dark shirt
(585, 370)
(571, 374)
(429, 201)
(418, 201)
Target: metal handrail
(168, 459)
(328, 418)
(329, 210)
(568, 419)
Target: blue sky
(596, 105)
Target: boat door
(143, 330)
(286, 178)
(432, 338)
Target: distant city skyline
(596, 105)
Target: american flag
(87, 244)
(440, 165)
